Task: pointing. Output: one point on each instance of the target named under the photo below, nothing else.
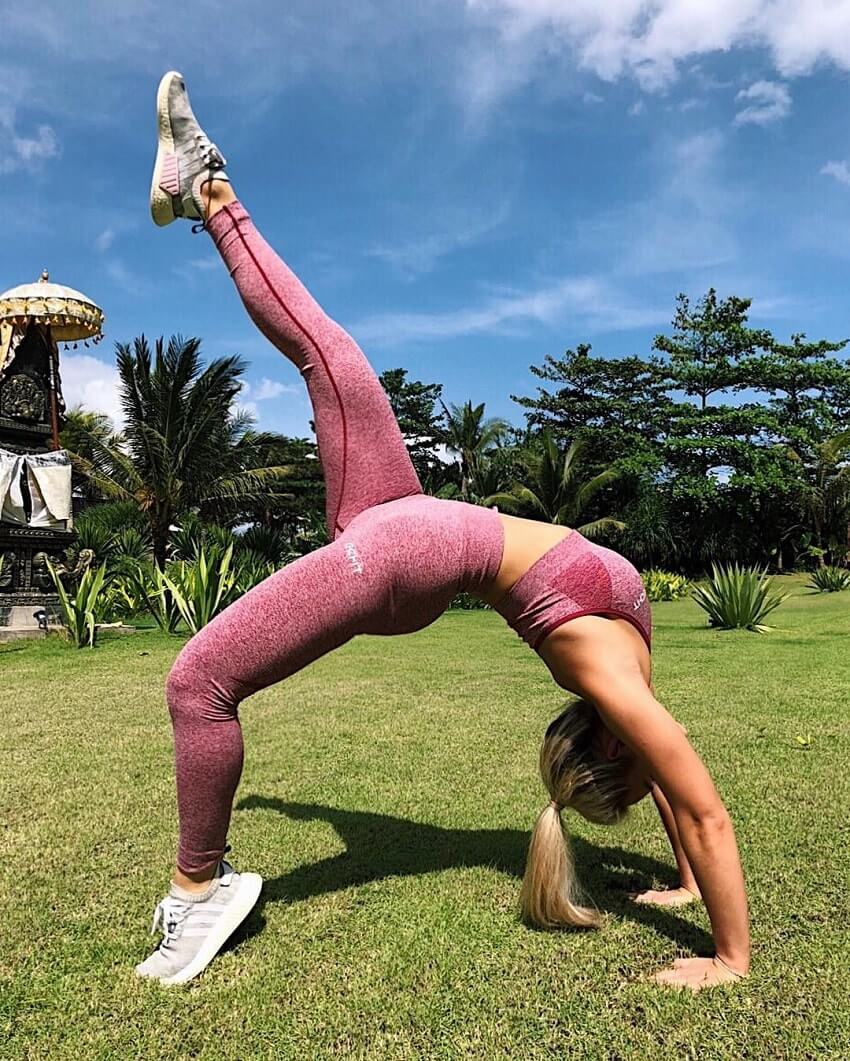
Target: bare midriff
(526, 540)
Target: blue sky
(467, 185)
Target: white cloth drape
(11, 495)
(49, 481)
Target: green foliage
(182, 446)
(149, 587)
(204, 588)
(270, 543)
(676, 425)
(467, 603)
(473, 438)
(86, 608)
(830, 579)
(738, 598)
(664, 585)
(416, 408)
(251, 569)
(556, 490)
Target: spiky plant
(739, 598)
(830, 579)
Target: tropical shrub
(251, 569)
(738, 598)
(829, 579)
(467, 603)
(148, 585)
(204, 588)
(270, 543)
(664, 585)
(86, 608)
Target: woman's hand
(668, 897)
(696, 973)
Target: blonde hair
(575, 776)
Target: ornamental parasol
(70, 315)
(65, 315)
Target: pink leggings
(397, 559)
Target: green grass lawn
(387, 799)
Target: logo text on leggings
(353, 558)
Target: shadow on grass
(380, 846)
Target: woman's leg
(362, 450)
(299, 614)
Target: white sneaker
(195, 928)
(185, 157)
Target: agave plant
(739, 598)
(147, 585)
(86, 608)
(829, 579)
(203, 589)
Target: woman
(396, 560)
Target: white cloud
(462, 228)
(268, 389)
(479, 50)
(588, 300)
(125, 279)
(44, 145)
(765, 102)
(637, 108)
(105, 240)
(92, 383)
(195, 269)
(839, 170)
(688, 221)
(24, 152)
(650, 39)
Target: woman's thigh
(359, 584)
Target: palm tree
(472, 437)
(555, 491)
(83, 433)
(826, 494)
(183, 446)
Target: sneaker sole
(162, 208)
(250, 886)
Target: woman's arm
(601, 664)
(687, 889)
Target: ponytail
(576, 776)
(549, 888)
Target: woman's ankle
(194, 882)
(215, 194)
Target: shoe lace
(167, 918)
(213, 159)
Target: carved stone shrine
(36, 522)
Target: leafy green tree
(808, 392)
(618, 407)
(417, 408)
(708, 342)
(556, 489)
(182, 446)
